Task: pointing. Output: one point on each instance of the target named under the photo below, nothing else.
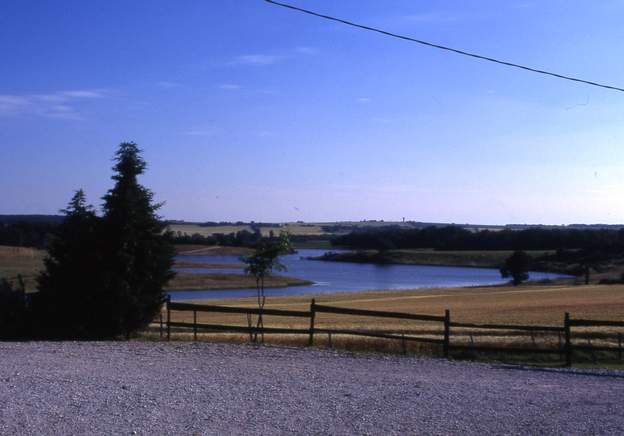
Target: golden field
(526, 304)
(291, 228)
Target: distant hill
(566, 226)
(31, 219)
(342, 227)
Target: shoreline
(468, 259)
(218, 281)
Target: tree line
(458, 238)
(26, 233)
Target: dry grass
(29, 261)
(527, 304)
(211, 250)
(530, 304)
(292, 228)
(207, 265)
(189, 281)
(191, 229)
(20, 260)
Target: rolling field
(523, 305)
(190, 281)
(292, 228)
(529, 304)
(19, 260)
(28, 262)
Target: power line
(442, 47)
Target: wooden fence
(249, 312)
(567, 337)
(570, 346)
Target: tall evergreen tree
(68, 287)
(137, 254)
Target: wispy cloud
(229, 86)
(363, 100)
(306, 50)
(522, 5)
(201, 132)
(264, 59)
(83, 93)
(13, 104)
(59, 104)
(431, 18)
(168, 85)
(257, 60)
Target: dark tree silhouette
(517, 267)
(14, 314)
(261, 264)
(137, 252)
(69, 287)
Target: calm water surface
(331, 277)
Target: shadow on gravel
(568, 371)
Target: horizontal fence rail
(377, 334)
(240, 329)
(444, 341)
(595, 323)
(242, 310)
(375, 313)
(440, 336)
(529, 328)
(493, 349)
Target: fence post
(568, 340)
(447, 333)
(250, 327)
(195, 325)
(168, 317)
(312, 314)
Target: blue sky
(247, 111)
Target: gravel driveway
(184, 388)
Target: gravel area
(185, 388)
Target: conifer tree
(69, 286)
(137, 252)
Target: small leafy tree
(517, 267)
(137, 249)
(261, 264)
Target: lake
(332, 277)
